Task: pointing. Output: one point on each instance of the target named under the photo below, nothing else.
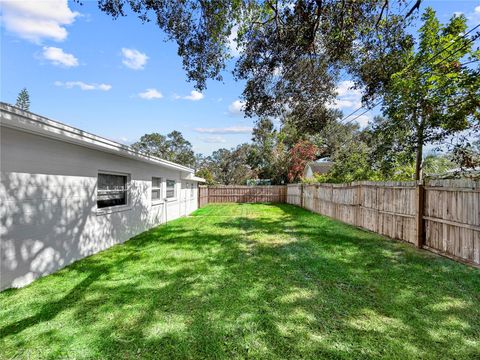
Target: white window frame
(192, 190)
(174, 197)
(115, 208)
(159, 189)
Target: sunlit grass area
(249, 281)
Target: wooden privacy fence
(241, 194)
(442, 216)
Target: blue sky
(120, 79)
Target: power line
(379, 102)
(373, 106)
(355, 111)
(449, 46)
(457, 104)
(424, 63)
(470, 62)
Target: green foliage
(207, 175)
(229, 167)
(256, 281)
(23, 100)
(268, 155)
(292, 51)
(333, 136)
(434, 97)
(351, 163)
(467, 155)
(264, 140)
(172, 147)
(434, 164)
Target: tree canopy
(292, 51)
(434, 96)
(172, 147)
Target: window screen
(111, 190)
(156, 189)
(170, 189)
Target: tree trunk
(419, 159)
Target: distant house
(66, 194)
(316, 167)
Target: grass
(249, 281)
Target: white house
(66, 194)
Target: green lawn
(249, 281)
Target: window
(170, 189)
(112, 190)
(191, 190)
(156, 189)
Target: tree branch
(385, 4)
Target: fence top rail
(243, 186)
(454, 183)
(352, 185)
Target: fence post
(301, 195)
(198, 195)
(420, 203)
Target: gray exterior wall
(48, 212)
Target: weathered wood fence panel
(442, 216)
(245, 194)
(452, 218)
(385, 208)
(202, 195)
(293, 194)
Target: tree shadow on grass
(287, 285)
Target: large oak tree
(292, 51)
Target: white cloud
(134, 59)
(83, 86)
(347, 97)
(345, 88)
(236, 108)
(235, 51)
(214, 139)
(475, 15)
(58, 57)
(350, 99)
(151, 94)
(363, 120)
(194, 96)
(37, 20)
(226, 130)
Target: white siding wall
(48, 204)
